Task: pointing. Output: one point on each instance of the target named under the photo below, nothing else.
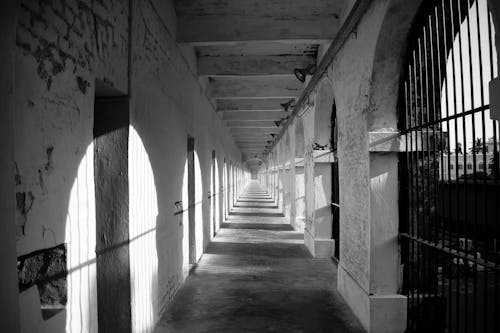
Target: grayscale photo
(250, 166)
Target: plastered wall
(63, 47)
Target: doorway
(111, 135)
(191, 200)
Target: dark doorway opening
(191, 200)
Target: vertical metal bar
(485, 162)
(435, 126)
(450, 215)
(474, 174)
(418, 104)
(442, 165)
(411, 197)
(427, 179)
(408, 214)
(465, 189)
(424, 170)
(457, 237)
(495, 174)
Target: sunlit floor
(257, 276)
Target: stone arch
(388, 60)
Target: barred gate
(450, 184)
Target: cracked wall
(63, 47)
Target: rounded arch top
(387, 63)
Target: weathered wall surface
(167, 105)
(364, 97)
(63, 47)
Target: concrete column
(276, 176)
(299, 176)
(282, 175)
(291, 175)
(317, 175)
(367, 87)
(308, 122)
(9, 303)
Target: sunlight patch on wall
(216, 197)
(142, 234)
(185, 222)
(198, 207)
(80, 237)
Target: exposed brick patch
(47, 270)
(74, 35)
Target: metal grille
(450, 186)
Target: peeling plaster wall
(63, 47)
(351, 90)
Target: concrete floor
(257, 276)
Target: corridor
(250, 166)
(257, 276)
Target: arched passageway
(202, 166)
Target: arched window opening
(450, 212)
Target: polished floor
(257, 276)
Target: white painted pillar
(281, 175)
(299, 176)
(317, 174)
(291, 175)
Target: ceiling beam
(252, 104)
(292, 47)
(252, 150)
(247, 137)
(252, 64)
(253, 115)
(261, 140)
(209, 21)
(251, 124)
(286, 86)
(254, 131)
(252, 144)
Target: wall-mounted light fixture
(301, 73)
(317, 146)
(286, 106)
(281, 121)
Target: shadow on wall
(81, 309)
